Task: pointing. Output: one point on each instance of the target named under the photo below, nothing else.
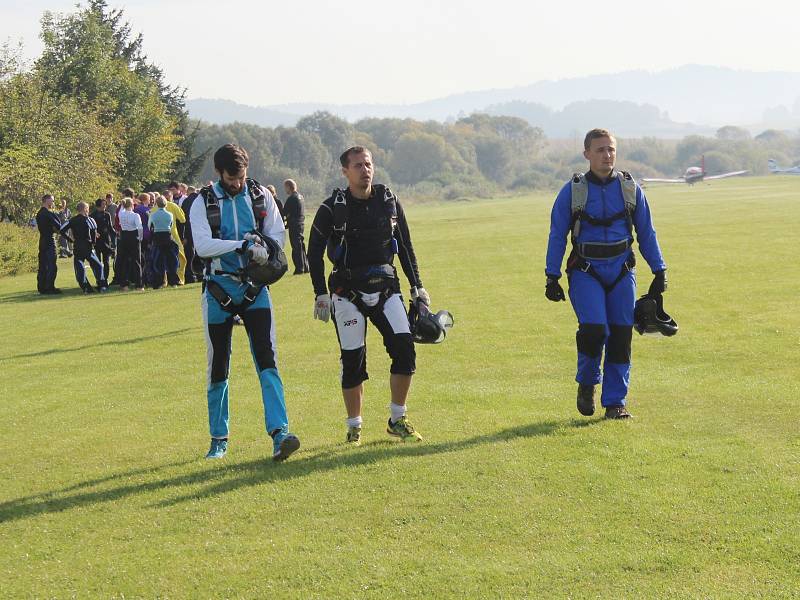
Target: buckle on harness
(226, 303)
(585, 266)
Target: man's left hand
(259, 254)
(422, 294)
(254, 239)
(659, 284)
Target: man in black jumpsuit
(48, 223)
(364, 227)
(84, 231)
(294, 212)
(104, 246)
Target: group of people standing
(146, 238)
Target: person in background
(64, 245)
(84, 230)
(295, 210)
(165, 250)
(48, 223)
(103, 246)
(130, 254)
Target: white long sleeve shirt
(131, 221)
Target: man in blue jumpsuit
(222, 220)
(601, 208)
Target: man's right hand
(553, 290)
(322, 308)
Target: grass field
(512, 494)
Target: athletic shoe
(353, 436)
(218, 448)
(617, 412)
(586, 400)
(403, 429)
(284, 444)
(88, 290)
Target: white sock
(398, 412)
(354, 421)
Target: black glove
(659, 285)
(553, 290)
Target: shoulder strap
(628, 184)
(213, 212)
(580, 194)
(258, 200)
(339, 211)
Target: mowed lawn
(512, 494)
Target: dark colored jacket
(104, 228)
(84, 231)
(294, 211)
(48, 223)
(362, 215)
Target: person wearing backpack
(362, 228)
(224, 218)
(601, 209)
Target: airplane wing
(655, 180)
(724, 175)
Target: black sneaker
(586, 400)
(617, 412)
(88, 290)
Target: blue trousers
(96, 266)
(260, 329)
(605, 323)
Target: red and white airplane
(694, 175)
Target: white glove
(422, 294)
(259, 254)
(254, 239)
(322, 308)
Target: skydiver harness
(258, 202)
(348, 282)
(582, 253)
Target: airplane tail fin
(773, 166)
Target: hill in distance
(666, 103)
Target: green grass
(512, 494)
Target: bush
(19, 247)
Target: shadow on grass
(136, 340)
(224, 478)
(34, 296)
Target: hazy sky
(405, 51)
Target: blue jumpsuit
(237, 219)
(605, 316)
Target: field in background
(512, 494)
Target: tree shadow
(115, 343)
(223, 478)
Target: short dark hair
(109, 195)
(593, 134)
(99, 202)
(345, 157)
(174, 184)
(231, 159)
(128, 193)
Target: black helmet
(273, 270)
(426, 327)
(649, 317)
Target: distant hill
(674, 99)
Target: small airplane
(774, 168)
(694, 175)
